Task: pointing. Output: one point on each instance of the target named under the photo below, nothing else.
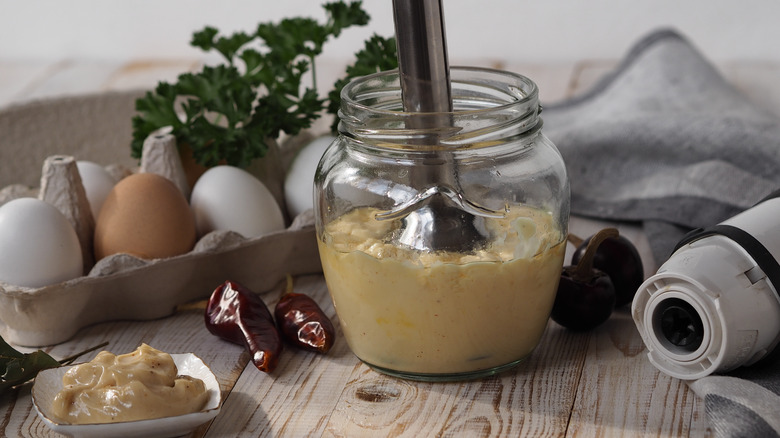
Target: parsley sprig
(378, 54)
(17, 368)
(227, 112)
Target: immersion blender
(714, 305)
(441, 219)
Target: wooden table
(598, 383)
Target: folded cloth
(665, 140)
(745, 402)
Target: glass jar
(484, 181)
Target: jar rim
(522, 89)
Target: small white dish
(49, 382)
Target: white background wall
(510, 30)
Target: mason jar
(442, 235)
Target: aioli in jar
(437, 313)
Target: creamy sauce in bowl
(140, 385)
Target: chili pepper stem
(289, 287)
(584, 269)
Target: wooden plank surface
(575, 384)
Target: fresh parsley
(227, 112)
(17, 368)
(378, 54)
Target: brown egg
(147, 216)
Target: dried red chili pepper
(236, 314)
(303, 323)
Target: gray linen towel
(665, 140)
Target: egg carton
(122, 286)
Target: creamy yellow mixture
(140, 385)
(444, 312)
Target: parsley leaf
(227, 112)
(17, 368)
(378, 54)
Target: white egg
(97, 183)
(299, 183)
(39, 246)
(229, 198)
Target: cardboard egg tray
(122, 287)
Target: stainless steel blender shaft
(440, 220)
(422, 56)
